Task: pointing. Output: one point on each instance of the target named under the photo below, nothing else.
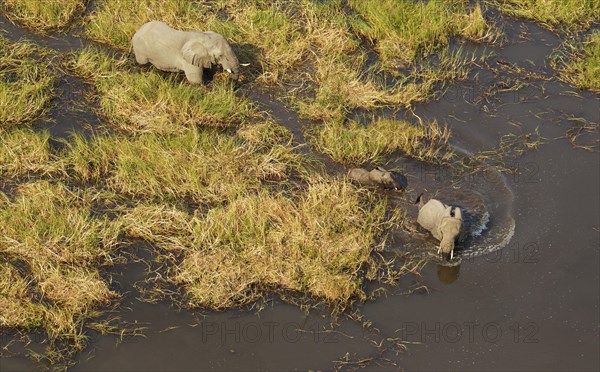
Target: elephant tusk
(229, 70)
(244, 64)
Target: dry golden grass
(25, 83)
(316, 245)
(51, 231)
(18, 308)
(43, 15)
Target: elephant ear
(195, 53)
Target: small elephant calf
(378, 177)
(443, 224)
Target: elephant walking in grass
(444, 222)
(188, 51)
(378, 177)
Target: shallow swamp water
(522, 295)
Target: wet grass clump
(51, 249)
(42, 16)
(353, 143)
(580, 65)
(26, 83)
(568, 15)
(317, 243)
(26, 152)
(341, 88)
(140, 101)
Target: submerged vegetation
(232, 206)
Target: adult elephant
(189, 51)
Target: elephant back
(430, 217)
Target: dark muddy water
(522, 295)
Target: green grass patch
(580, 64)
(567, 15)
(316, 245)
(26, 83)
(148, 101)
(25, 152)
(45, 15)
(353, 143)
(205, 166)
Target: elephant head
(450, 226)
(206, 49)
(444, 222)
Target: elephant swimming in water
(378, 177)
(444, 222)
(188, 51)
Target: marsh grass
(282, 41)
(26, 83)
(26, 152)
(565, 15)
(404, 31)
(42, 16)
(265, 134)
(140, 101)
(50, 231)
(217, 187)
(353, 143)
(205, 166)
(315, 244)
(579, 65)
(340, 88)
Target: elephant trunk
(447, 248)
